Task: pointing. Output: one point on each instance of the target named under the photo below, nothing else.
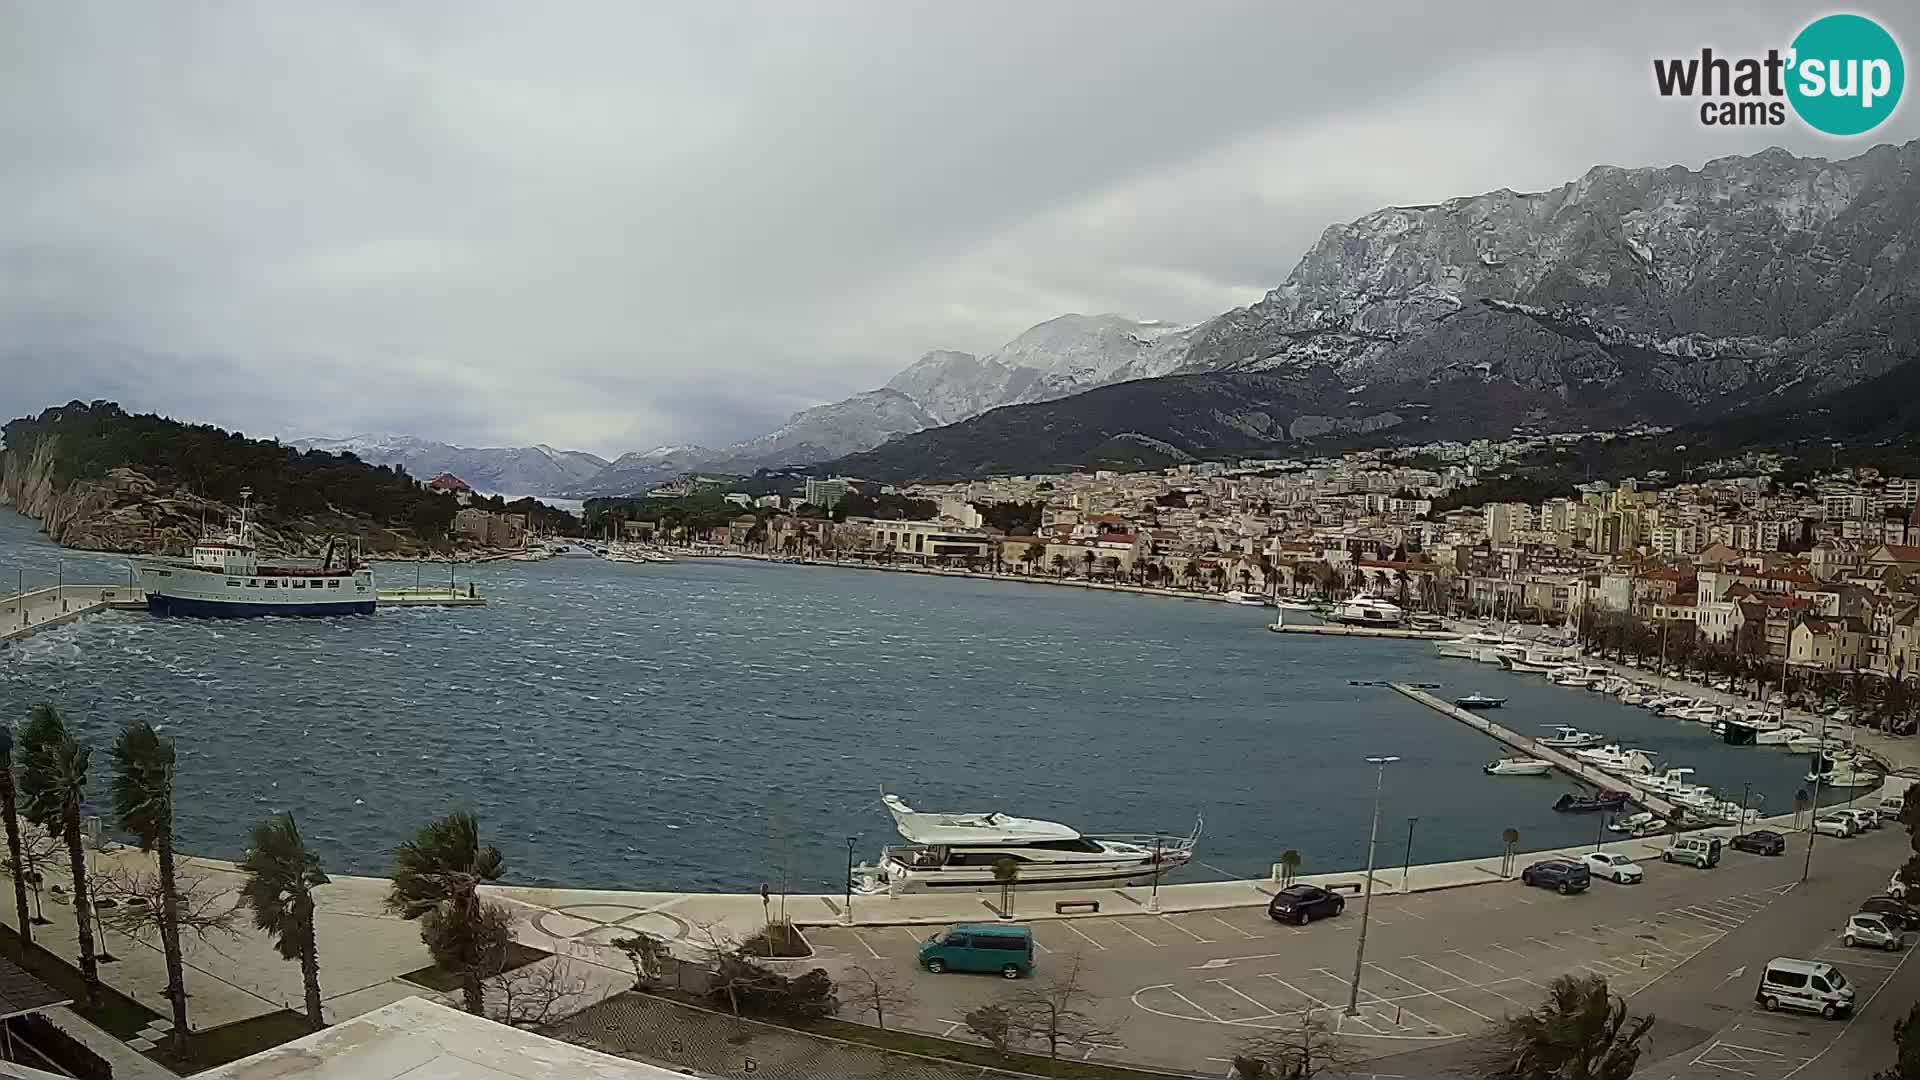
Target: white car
(1895, 887)
(1615, 868)
(1834, 825)
(1862, 819)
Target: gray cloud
(613, 225)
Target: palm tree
(9, 806)
(282, 873)
(1086, 557)
(1581, 1030)
(1290, 861)
(436, 879)
(53, 777)
(1035, 552)
(143, 802)
(1059, 565)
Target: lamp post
(1153, 895)
(846, 915)
(1366, 905)
(1408, 864)
(1813, 814)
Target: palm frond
(142, 783)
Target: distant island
(100, 478)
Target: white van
(1807, 985)
(1889, 806)
(1700, 851)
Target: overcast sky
(609, 226)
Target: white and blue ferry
(225, 578)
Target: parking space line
(1203, 1011)
(865, 945)
(1377, 999)
(1068, 923)
(1136, 933)
(1232, 927)
(1489, 988)
(1441, 970)
(1504, 949)
(1343, 1018)
(1431, 993)
(915, 939)
(1250, 999)
(1297, 990)
(1835, 959)
(1038, 944)
(1548, 944)
(1169, 922)
(1482, 963)
(1583, 937)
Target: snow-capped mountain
(1664, 295)
(506, 470)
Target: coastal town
(1823, 574)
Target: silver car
(1871, 931)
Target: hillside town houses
(1823, 575)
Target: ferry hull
(160, 604)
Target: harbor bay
(716, 724)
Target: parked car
(1702, 852)
(1863, 820)
(1894, 909)
(1895, 887)
(1301, 904)
(1615, 868)
(1007, 950)
(1564, 875)
(1804, 984)
(1760, 842)
(1834, 825)
(1872, 931)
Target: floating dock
(466, 597)
(1531, 747)
(1330, 630)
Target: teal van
(984, 947)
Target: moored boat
(960, 851)
(226, 578)
(1573, 803)
(1517, 767)
(1363, 610)
(1568, 738)
(1478, 700)
(1247, 599)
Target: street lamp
(847, 915)
(1366, 905)
(1813, 815)
(1408, 864)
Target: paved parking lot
(1182, 990)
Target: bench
(1089, 907)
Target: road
(1182, 991)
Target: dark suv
(1760, 842)
(1561, 874)
(1303, 903)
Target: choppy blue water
(714, 725)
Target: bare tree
(135, 910)
(537, 994)
(879, 991)
(1299, 1052)
(719, 949)
(1055, 1010)
(993, 1024)
(39, 850)
(649, 954)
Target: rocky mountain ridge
(508, 470)
(1660, 295)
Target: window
(253, 583)
(1011, 944)
(1838, 980)
(333, 584)
(233, 583)
(1820, 984)
(296, 584)
(955, 939)
(1791, 979)
(272, 584)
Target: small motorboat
(1574, 803)
(1479, 701)
(1567, 738)
(1518, 767)
(1644, 823)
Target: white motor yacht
(1699, 714)
(1569, 738)
(1846, 774)
(1779, 736)
(1644, 823)
(1570, 675)
(960, 851)
(1661, 703)
(1363, 610)
(1246, 599)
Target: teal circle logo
(1847, 74)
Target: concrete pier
(1330, 630)
(1532, 748)
(430, 597)
(23, 615)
